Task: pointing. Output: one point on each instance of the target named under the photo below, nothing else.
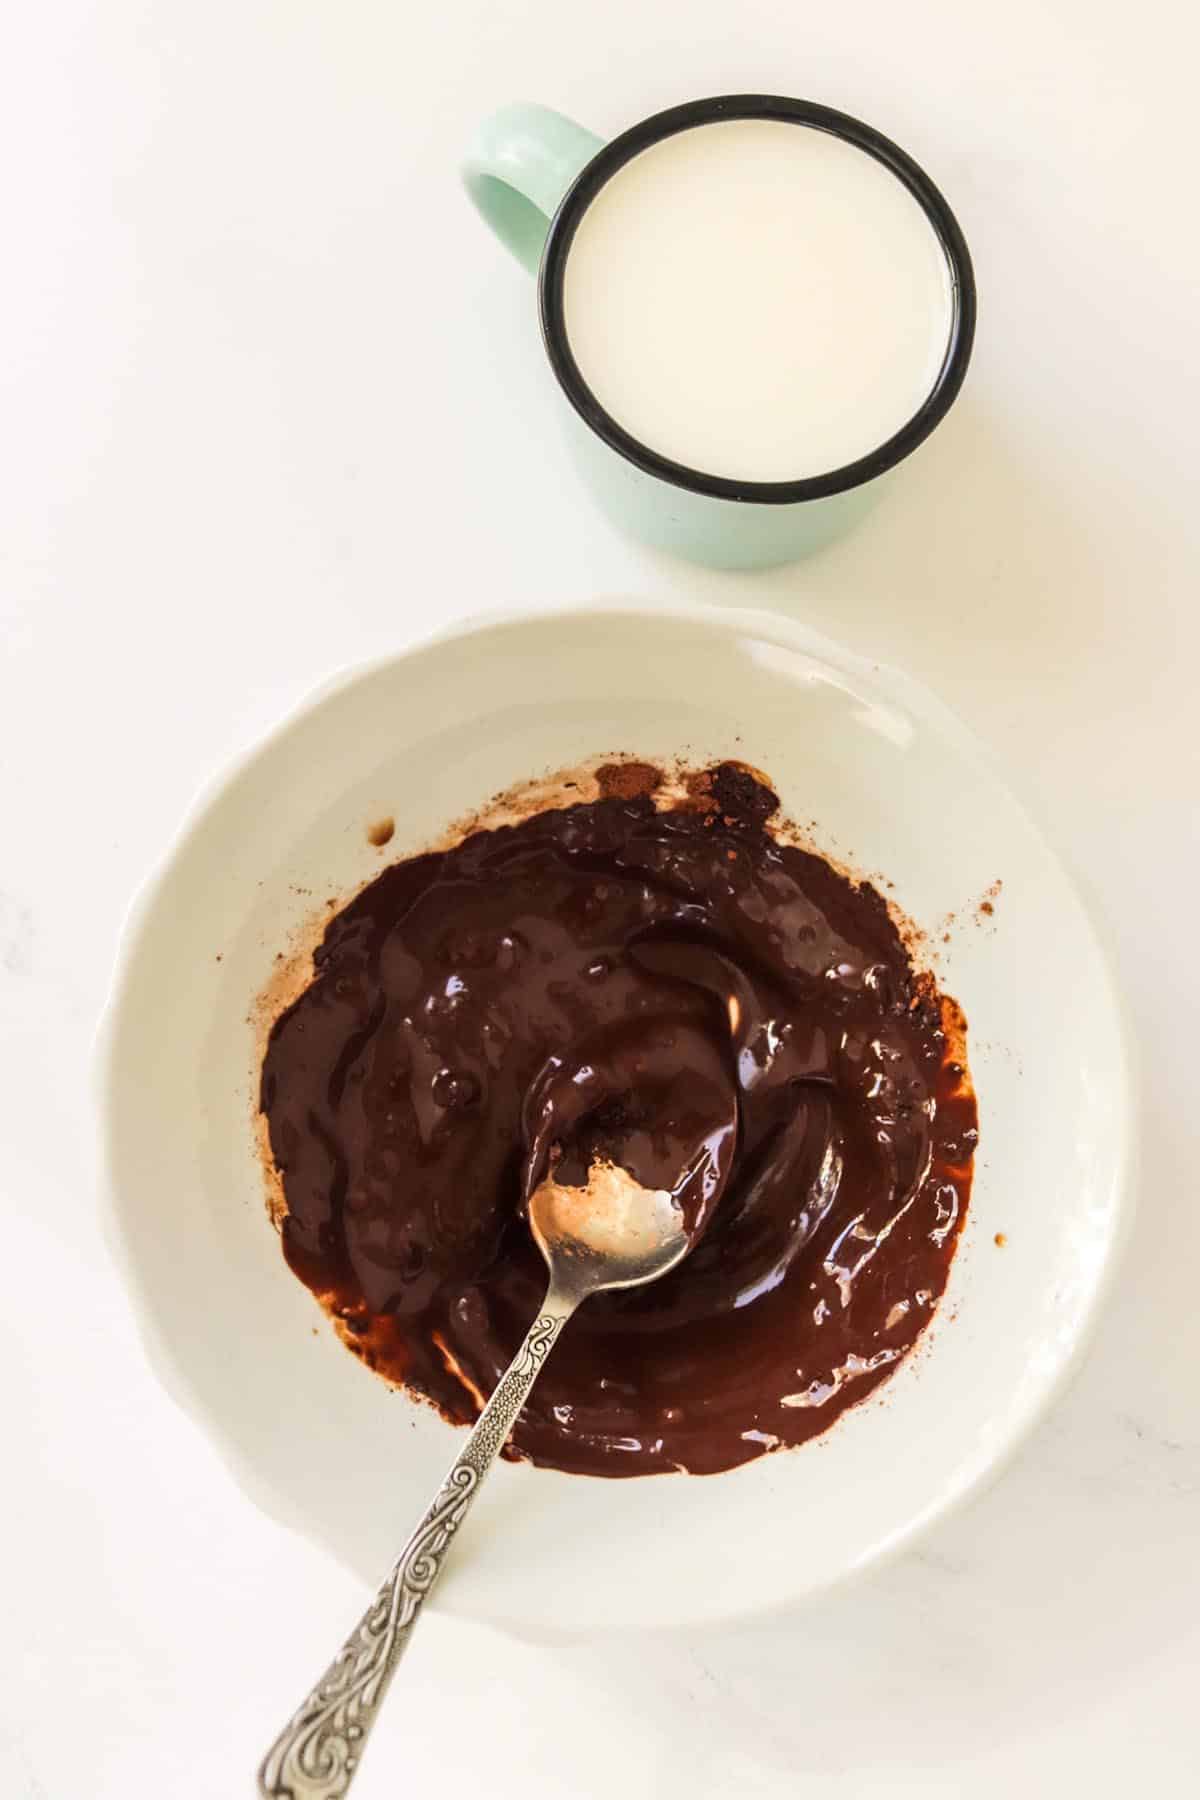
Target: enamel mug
(533, 174)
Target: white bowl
(896, 785)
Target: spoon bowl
(610, 1233)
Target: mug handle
(523, 160)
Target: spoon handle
(316, 1755)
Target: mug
(533, 173)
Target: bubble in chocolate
(456, 1089)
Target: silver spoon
(611, 1233)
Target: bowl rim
(741, 621)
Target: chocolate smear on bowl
(719, 984)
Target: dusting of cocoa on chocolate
(741, 795)
(627, 780)
(751, 982)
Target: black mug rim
(620, 150)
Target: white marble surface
(273, 402)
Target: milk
(757, 300)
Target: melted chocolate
(676, 989)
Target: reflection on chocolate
(674, 988)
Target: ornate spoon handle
(317, 1753)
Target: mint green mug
(533, 174)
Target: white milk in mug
(756, 306)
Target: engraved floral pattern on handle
(317, 1753)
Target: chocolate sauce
(674, 988)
